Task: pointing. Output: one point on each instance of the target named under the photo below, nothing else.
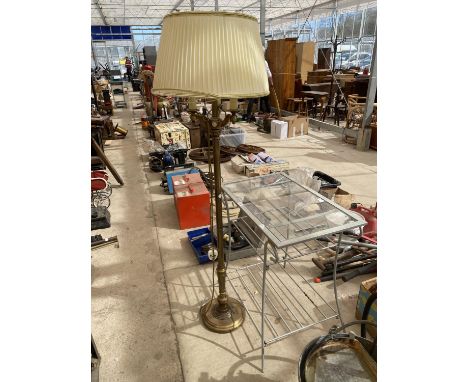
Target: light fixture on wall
(215, 55)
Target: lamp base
(219, 321)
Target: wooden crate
(238, 164)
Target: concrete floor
(146, 294)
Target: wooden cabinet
(305, 52)
(324, 58)
(281, 58)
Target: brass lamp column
(222, 314)
(217, 55)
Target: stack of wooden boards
(318, 76)
(349, 83)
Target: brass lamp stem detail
(224, 313)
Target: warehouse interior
(234, 190)
(251, 121)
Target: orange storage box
(192, 201)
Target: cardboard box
(238, 164)
(297, 125)
(343, 198)
(364, 293)
(328, 192)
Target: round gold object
(220, 320)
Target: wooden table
(316, 85)
(322, 96)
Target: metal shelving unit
(285, 219)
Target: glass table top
(288, 212)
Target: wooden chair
(340, 109)
(296, 105)
(355, 111)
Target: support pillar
(364, 133)
(262, 20)
(96, 63)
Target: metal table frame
(295, 318)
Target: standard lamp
(214, 55)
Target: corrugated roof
(151, 12)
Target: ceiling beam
(262, 20)
(303, 9)
(96, 2)
(176, 5)
(133, 17)
(167, 7)
(247, 6)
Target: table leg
(265, 253)
(324, 100)
(335, 266)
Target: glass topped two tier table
(287, 223)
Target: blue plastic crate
(197, 244)
(182, 171)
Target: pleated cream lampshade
(210, 54)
